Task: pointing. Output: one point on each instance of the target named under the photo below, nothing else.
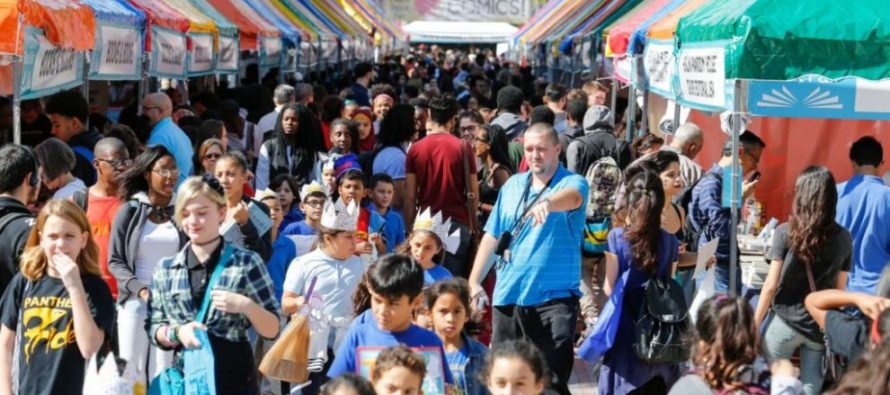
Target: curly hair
(398, 356)
(726, 341)
(812, 214)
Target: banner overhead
(201, 58)
(118, 54)
(511, 11)
(168, 53)
(48, 69)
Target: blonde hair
(191, 188)
(34, 260)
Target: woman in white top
(56, 162)
(143, 233)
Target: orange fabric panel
(66, 23)
(664, 29)
(792, 144)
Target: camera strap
(521, 219)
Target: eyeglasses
(468, 128)
(315, 203)
(166, 173)
(117, 163)
(212, 156)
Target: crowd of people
(452, 224)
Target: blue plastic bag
(169, 382)
(603, 337)
(198, 370)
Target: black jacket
(83, 168)
(13, 236)
(300, 166)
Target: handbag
(832, 362)
(288, 359)
(175, 379)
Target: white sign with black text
(201, 59)
(168, 52)
(658, 61)
(702, 73)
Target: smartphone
(754, 176)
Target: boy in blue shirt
(381, 192)
(392, 290)
(312, 204)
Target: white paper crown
(338, 216)
(434, 223)
(311, 188)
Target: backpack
(84, 152)
(603, 177)
(661, 322)
(691, 236)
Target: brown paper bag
(287, 359)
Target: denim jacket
(476, 353)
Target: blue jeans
(780, 341)
(721, 285)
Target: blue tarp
(289, 33)
(117, 12)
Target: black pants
(459, 262)
(550, 326)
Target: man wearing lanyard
(535, 229)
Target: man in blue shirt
(536, 295)
(157, 107)
(363, 73)
(710, 220)
(863, 207)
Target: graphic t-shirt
(49, 361)
(100, 212)
(457, 364)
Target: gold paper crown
(434, 224)
(311, 188)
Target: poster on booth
(660, 66)
(47, 68)
(118, 54)
(702, 77)
(270, 52)
(201, 60)
(433, 381)
(229, 50)
(168, 53)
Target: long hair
(726, 340)
(405, 247)
(812, 214)
(645, 201)
(460, 288)
(34, 261)
(308, 135)
(397, 127)
(133, 179)
(499, 147)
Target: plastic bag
(198, 368)
(287, 360)
(108, 380)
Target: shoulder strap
(810, 277)
(8, 218)
(84, 152)
(471, 197)
(81, 199)
(214, 278)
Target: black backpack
(661, 323)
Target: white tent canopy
(459, 32)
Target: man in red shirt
(436, 178)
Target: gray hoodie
(513, 125)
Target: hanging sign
(118, 54)
(48, 69)
(168, 53)
(329, 51)
(229, 51)
(510, 11)
(270, 55)
(201, 59)
(702, 77)
(623, 68)
(660, 66)
(820, 97)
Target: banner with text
(168, 53)
(270, 52)
(118, 54)
(702, 77)
(48, 69)
(229, 51)
(510, 11)
(660, 67)
(201, 59)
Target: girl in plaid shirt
(243, 297)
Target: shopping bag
(108, 379)
(705, 291)
(169, 382)
(287, 359)
(198, 369)
(602, 338)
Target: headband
(384, 95)
(213, 183)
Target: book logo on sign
(119, 52)
(56, 61)
(817, 99)
(171, 54)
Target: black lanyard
(528, 187)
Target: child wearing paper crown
(328, 276)
(351, 188)
(427, 245)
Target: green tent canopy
(788, 39)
